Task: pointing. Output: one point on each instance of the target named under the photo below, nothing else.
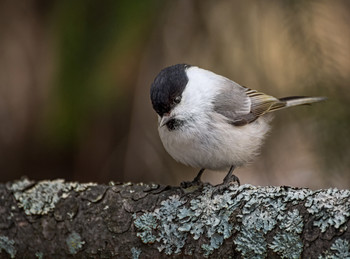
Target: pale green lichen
(263, 211)
(262, 219)
(146, 223)
(249, 211)
(211, 215)
(216, 241)
(170, 239)
(43, 196)
(292, 221)
(331, 208)
(207, 214)
(288, 245)
(7, 245)
(340, 249)
(135, 252)
(251, 243)
(74, 243)
(296, 195)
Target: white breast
(215, 146)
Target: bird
(208, 121)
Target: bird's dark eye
(177, 99)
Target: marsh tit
(208, 121)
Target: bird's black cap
(169, 83)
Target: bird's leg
(231, 177)
(196, 180)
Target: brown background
(75, 78)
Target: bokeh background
(75, 79)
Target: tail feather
(294, 101)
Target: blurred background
(75, 79)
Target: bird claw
(228, 181)
(231, 178)
(185, 185)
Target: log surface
(58, 219)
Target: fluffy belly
(216, 147)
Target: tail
(295, 101)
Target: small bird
(208, 121)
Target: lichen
(174, 221)
(263, 211)
(74, 243)
(288, 245)
(331, 208)
(7, 245)
(210, 215)
(216, 241)
(296, 195)
(135, 252)
(43, 196)
(170, 239)
(262, 219)
(339, 249)
(251, 212)
(292, 221)
(146, 223)
(251, 243)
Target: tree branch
(57, 219)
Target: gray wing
(241, 105)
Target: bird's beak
(164, 120)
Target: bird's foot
(195, 182)
(228, 181)
(231, 178)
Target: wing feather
(263, 103)
(241, 105)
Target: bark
(57, 219)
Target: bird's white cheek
(187, 110)
(178, 112)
